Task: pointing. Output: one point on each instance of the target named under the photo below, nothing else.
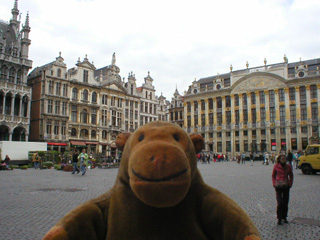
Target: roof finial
(265, 61)
(60, 54)
(113, 62)
(247, 64)
(285, 58)
(231, 67)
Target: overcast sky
(176, 40)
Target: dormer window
(15, 52)
(85, 76)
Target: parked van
(310, 162)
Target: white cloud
(175, 40)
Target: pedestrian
(289, 157)
(251, 159)
(75, 156)
(83, 159)
(282, 180)
(266, 158)
(243, 158)
(6, 161)
(36, 160)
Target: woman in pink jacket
(282, 180)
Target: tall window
(272, 115)
(74, 113)
(19, 77)
(271, 98)
(253, 115)
(74, 93)
(262, 97)
(50, 105)
(58, 89)
(292, 94)
(237, 117)
(228, 117)
(210, 103)
(59, 72)
(93, 134)
(65, 90)
(85, 76)
(104, 117)
(303, 96)
(104, 134)
(313, 91)
(49, 126)
(50, 87)
(57, 107)
(94, 116)
(303, 111)
(94, 97)
(12, 74)
(236, 100)
(210, 119)
(253, 98)
(203, 120)
(63, 128)
(56, 128)
(84, 116)
(314, 111)
(64, 108)
(245, 116)
(281, 95)
(293, 113)
(73, 132)
(219, 102)
(104, 99)
(189, 107)
(263, 115)
(195, 106)
(228, 101)
(203, 106)
(85, 95)
(244, 99)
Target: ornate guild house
(270, 108)
(15, 95)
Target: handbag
(281, 183)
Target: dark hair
(279, 157)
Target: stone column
(288, 130)
(258, 122)
(185, 114)
(20, 110)
(223, 139)
(298, 119)
(277, 123)
(268, 137)
(3, 104)
(12, 106)
(249, 124)
(241, 142)
(233, 141)
(308, 104)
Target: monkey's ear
(121, 140)
(198, 142)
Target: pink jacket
(280, 173)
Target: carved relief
(257, 83)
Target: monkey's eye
(176, 137)
(141, 137)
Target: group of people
(83, 158)
(207, 157)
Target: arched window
(4, 73)
(74, 93)
(93, 134)
(59, 72)
(84, 116)
(85, 95)
(94, 97)
(73, 132)
(84, 133)
(146, 94)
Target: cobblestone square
(32, 201)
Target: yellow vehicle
(310, 162)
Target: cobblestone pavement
(32, 201)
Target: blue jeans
(75, 168)
(83, 168)
(36, 165)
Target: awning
(78, 143)
(92, 143)
(57, 144)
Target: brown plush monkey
(159, 194)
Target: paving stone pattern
(32, 201)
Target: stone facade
(270, 108)
(176, 109)
(15, 95)
(88, 107)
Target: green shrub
(47, 164)
(24, 167)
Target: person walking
(290, 157)
(83, 158)
(251, 159)
(243, 158)
(6, 161)
(282, 180)
(75, 156)
(36, 160)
